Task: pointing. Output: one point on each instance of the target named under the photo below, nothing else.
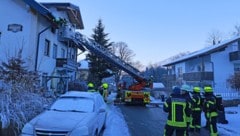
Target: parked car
(73, 114)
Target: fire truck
(136, 93)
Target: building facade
(212, 66)
(41, 31)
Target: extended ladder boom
(94, 47)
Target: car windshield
(73, 104)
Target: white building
(43, 32)
(210, 66)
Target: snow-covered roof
(72, 10)
(204, 51)
(40, 9)
(158, 85)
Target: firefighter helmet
(176, 90)
(196, 89)
(105, 85)
(208, 89)
(90, 85)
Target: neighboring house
(44, 33)
(210, 66)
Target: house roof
(73, 12)
(203, 52)
(41, 9)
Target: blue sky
(158, 29)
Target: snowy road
(149, 121)
(146, 121)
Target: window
(63, 53)
(234, 47)
(54, 51)
(47, 48)
(180, 72)
(237, 67)
(53, 30)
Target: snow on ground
(117, 126)
(233, 118)
(115, 122)
(232, 128)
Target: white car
(73, 114)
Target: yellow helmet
(90, 85)
(105, 85)
(208, 89)
(196, 89)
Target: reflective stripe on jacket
(178, 110)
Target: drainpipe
(38, 42)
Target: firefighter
(176, 118)
(91, 87)
(186, 93)
(195, 124)
(105, 91)
(210, 109)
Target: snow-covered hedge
(18, 106)
(21, 96)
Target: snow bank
(232, 128)
(233, 117)
(115, 122)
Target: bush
(234, 81)
(21, 96)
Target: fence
(221, 88)
(224, 89)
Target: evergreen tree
(99, 67)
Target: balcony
(198, 76)
(169, 77)
(68, 63)
(234, 55)
(66, 32)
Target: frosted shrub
(21, 96)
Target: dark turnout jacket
(178, 109)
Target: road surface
(147, 121)
(144, 121)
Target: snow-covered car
(73, 114)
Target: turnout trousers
(196, 121)
(213, 126)
(169, 130)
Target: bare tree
(179, 55)
(121, 50)
(138, 65)
(236, 30)
(214, 38)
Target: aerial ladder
(136, 93)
